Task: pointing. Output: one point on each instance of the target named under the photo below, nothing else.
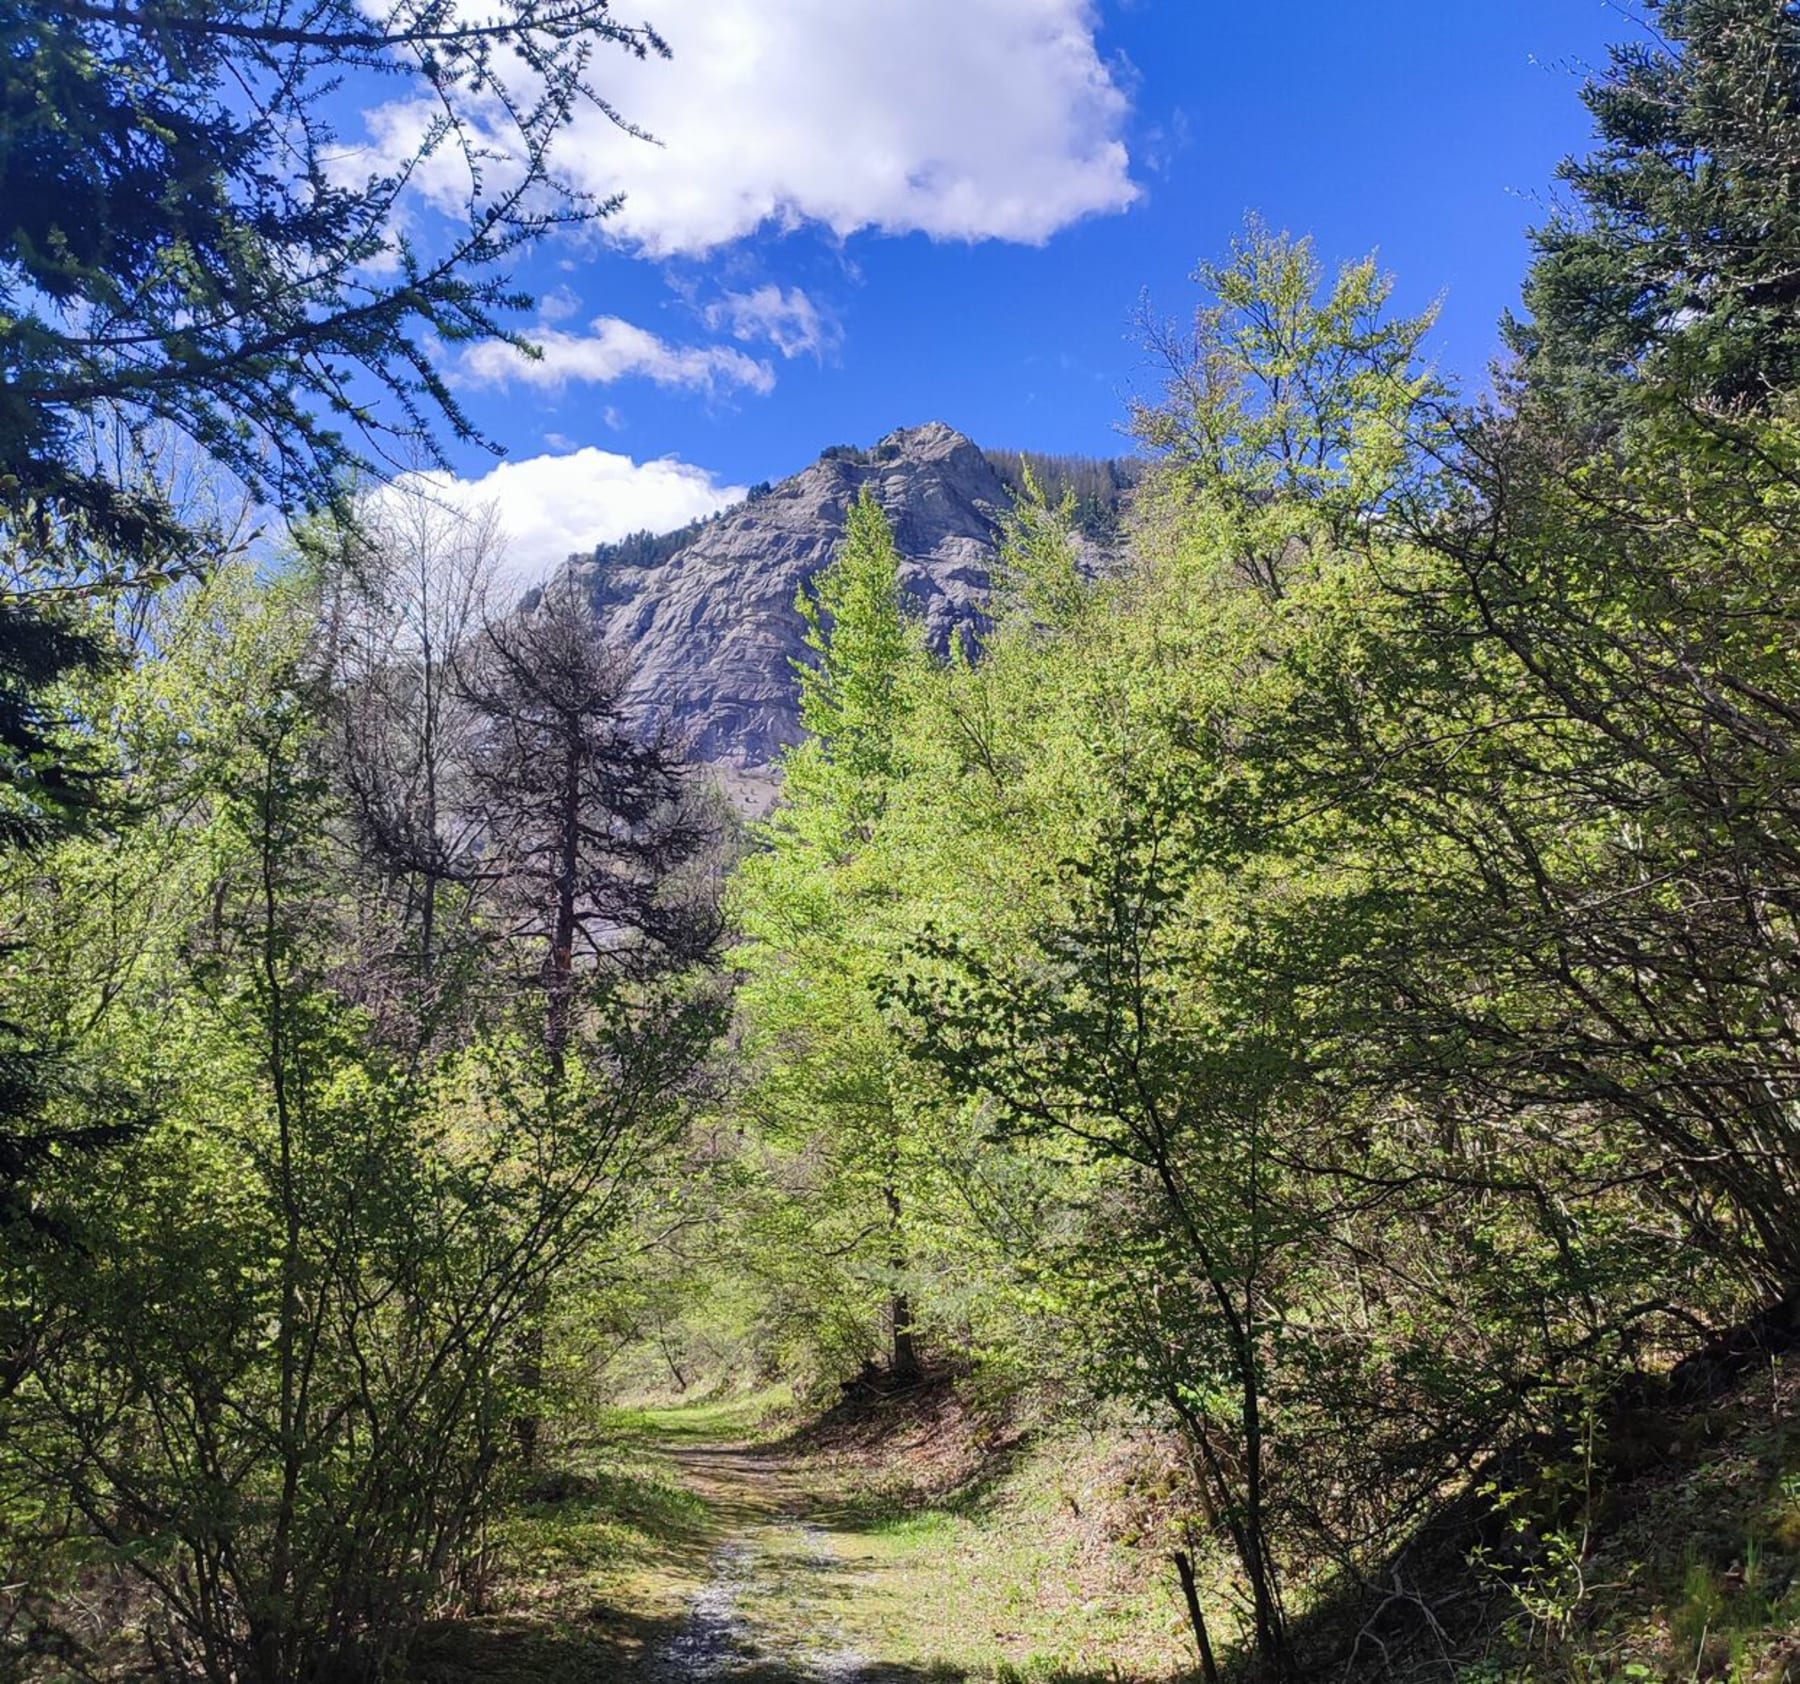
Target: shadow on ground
(916, 1444)
(634, 1651)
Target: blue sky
(863, 216)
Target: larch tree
(182, 246)
(812, 902)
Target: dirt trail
(761, 1617)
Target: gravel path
(769, 1548)
(710, 1639)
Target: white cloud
(610, 350)
(558, 304)
(961, 119)
(786, 319)
(550, 507)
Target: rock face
(712, 627)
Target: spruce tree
(1679, 259)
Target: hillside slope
(1660, 1547)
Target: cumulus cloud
(550, 507)
(960, 119)
(610, 350)
(785, 318)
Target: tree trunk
(905, 1363)
(904, 1358)
(1184, 1570)
(558, 1021)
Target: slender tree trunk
(428, 726)
(1184, 1570)
(559, 984)
(904, 1361)
(1244, 1515)
(272, 1642)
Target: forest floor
(908, 1539)
(905, 1542)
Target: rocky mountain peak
(708, 615)
(710, 619)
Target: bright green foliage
(1038, 577)
(263, 1375)
(853, 697)
(829, 1087)
(1191, 920)
(1615, 813)
(1289, 413)
(1321, 977)
(1114, 1035)
(1143, 1018)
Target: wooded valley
(1307, 1001)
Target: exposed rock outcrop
(712, 627)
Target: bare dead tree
(586, 824)
(406, 597)
(586, 820)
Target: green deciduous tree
(1321, 1244)
(268, 1395)
(1288, 411)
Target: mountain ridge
(710, 620)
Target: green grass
(710, 1418)
(929, 1529)
(614, 1520)
(1012, 1586)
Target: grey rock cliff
(712, 628)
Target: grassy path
(771, 1610)
(702, 1549)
